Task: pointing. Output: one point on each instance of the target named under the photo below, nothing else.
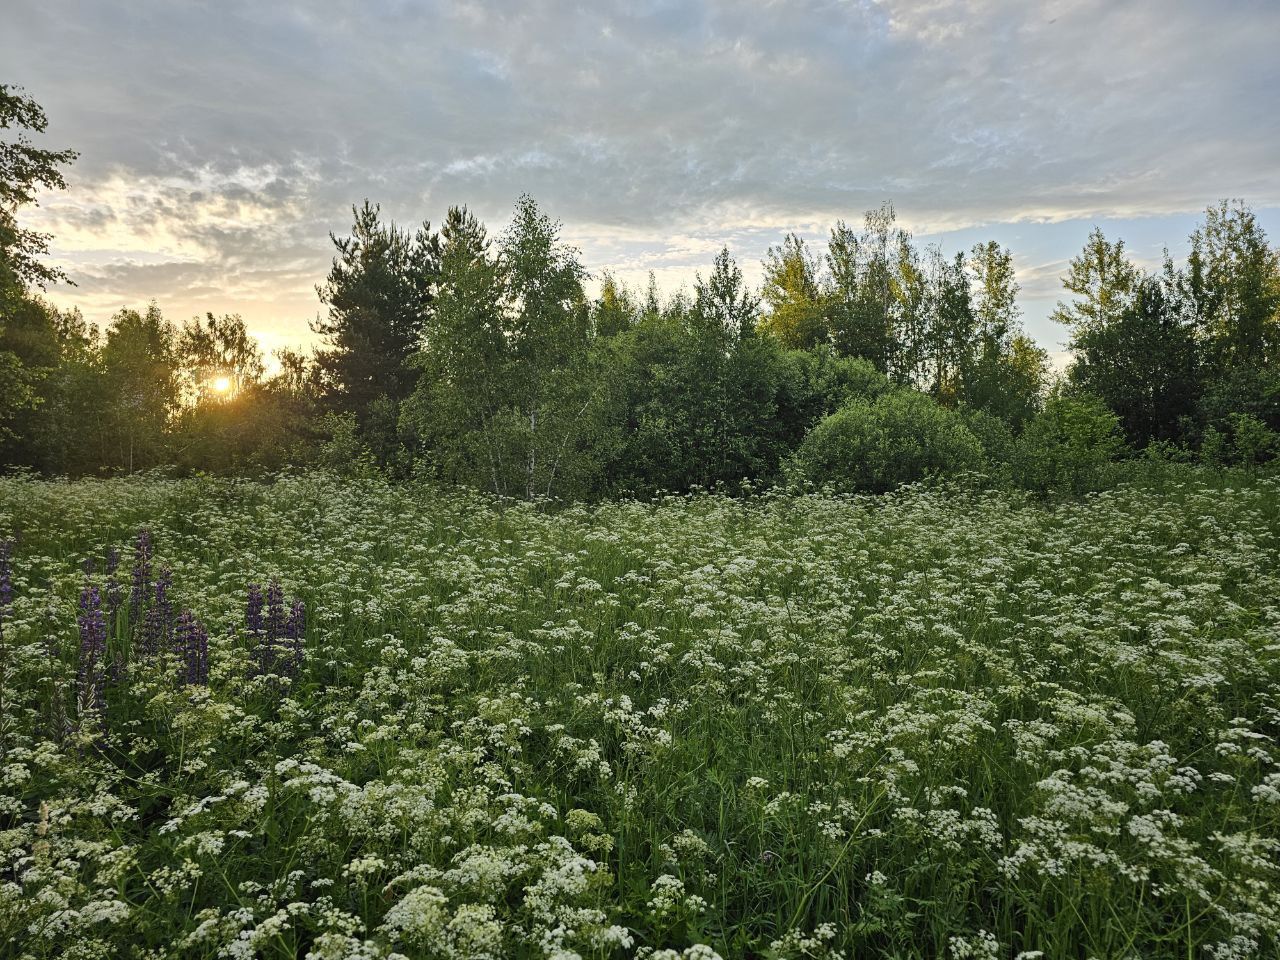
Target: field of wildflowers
(343, 719)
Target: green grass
(940, 723)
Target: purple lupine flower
(158, 626)
(6, 575)
(192, 641)
(93, 652)
(253, 609)
(141, 574)
(295, 630)
(259, 654)
(269, 646)
(113, 587)
(6, 582)
(276, 636)
(275, 611)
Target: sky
(222, 141)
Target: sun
(222, 384)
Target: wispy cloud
(222, 142)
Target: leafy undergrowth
(937, 723)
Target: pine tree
(379, 292)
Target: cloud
(224, 141)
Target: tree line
(480, 359)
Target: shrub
(993, 432)
(1249, 390)
(879, 444)
(1241, 417)
(816, 383)
(344, 452)
(1252, 441)
(1069, 445)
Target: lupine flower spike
(93, 651)
(141, 581)
(192, 642)
(113, 588)
(158, 624)
(6, 582)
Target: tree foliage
(1233, 278)
(25, 169)
(1070, 444)
(507, 398)
(1141, 362)
(488, 361)
(796, 301)
(379, 293)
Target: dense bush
(994, 433)
(343, 452)
(1250, 390)
(686, 408)
(1069, 446)
(1240, 414)
(877, 445)
(1243, 441)
(260, 430)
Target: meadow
(346, 719)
